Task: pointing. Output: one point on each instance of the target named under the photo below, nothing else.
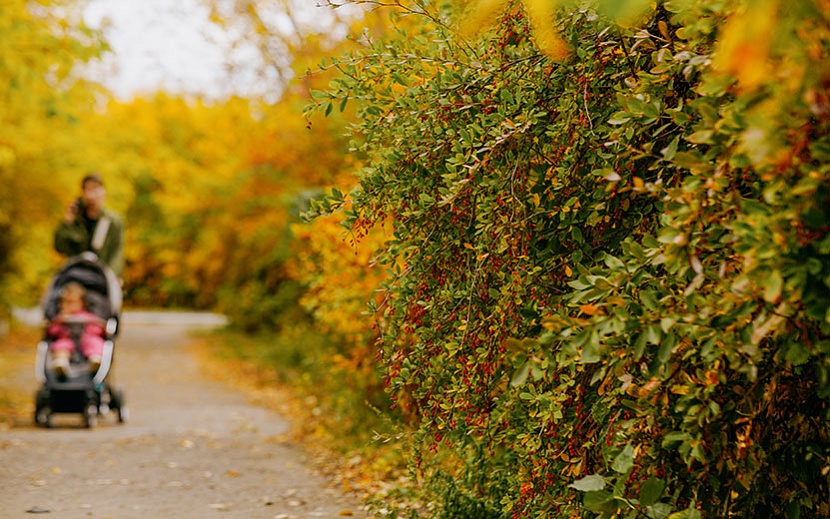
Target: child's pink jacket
(92, 338)
(58, 330)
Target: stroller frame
(90, 394)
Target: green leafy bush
(610, 275)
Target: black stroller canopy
(102, 287)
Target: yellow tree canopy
(40, 103)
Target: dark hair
(92, 177)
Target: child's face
(72, 304)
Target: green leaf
(636, 105)
(619, 118)
(675, 437)
(658, 511)
(590, 351)
(773, 285)
(666, 347)
(590, 483)
(399, 79)
(689, 513)
(652, 491)
(624, 11)
(669, 151)
(640, 345)
(793, 510)
(648, 300)
(579, 284)
(613, 262)
(521, 376)
(576, 234)
(693, 161)
(652, 334)
(600, 501)
(608, 174)
(701, 137)
(708, 112)
(797, 353)
(624, 460)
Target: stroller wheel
(43, 412)
(123, 414)
(91, 415)
(43, 416)
(118, 404)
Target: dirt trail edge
(192, 448)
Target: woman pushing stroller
(89, 226)
(81, 309)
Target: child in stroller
(73, 310)
(75, 357)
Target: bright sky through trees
(178, 47)
(158, 44)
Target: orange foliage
(340, 274)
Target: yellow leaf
(483, 15)
(648, 387)
(745, 45)
(590, 309)
(679, 389)
(541, 13)
(664, 29)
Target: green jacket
(73, 238)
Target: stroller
(80, 391)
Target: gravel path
(192, 448)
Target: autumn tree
(608, 289)
(41, 44)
